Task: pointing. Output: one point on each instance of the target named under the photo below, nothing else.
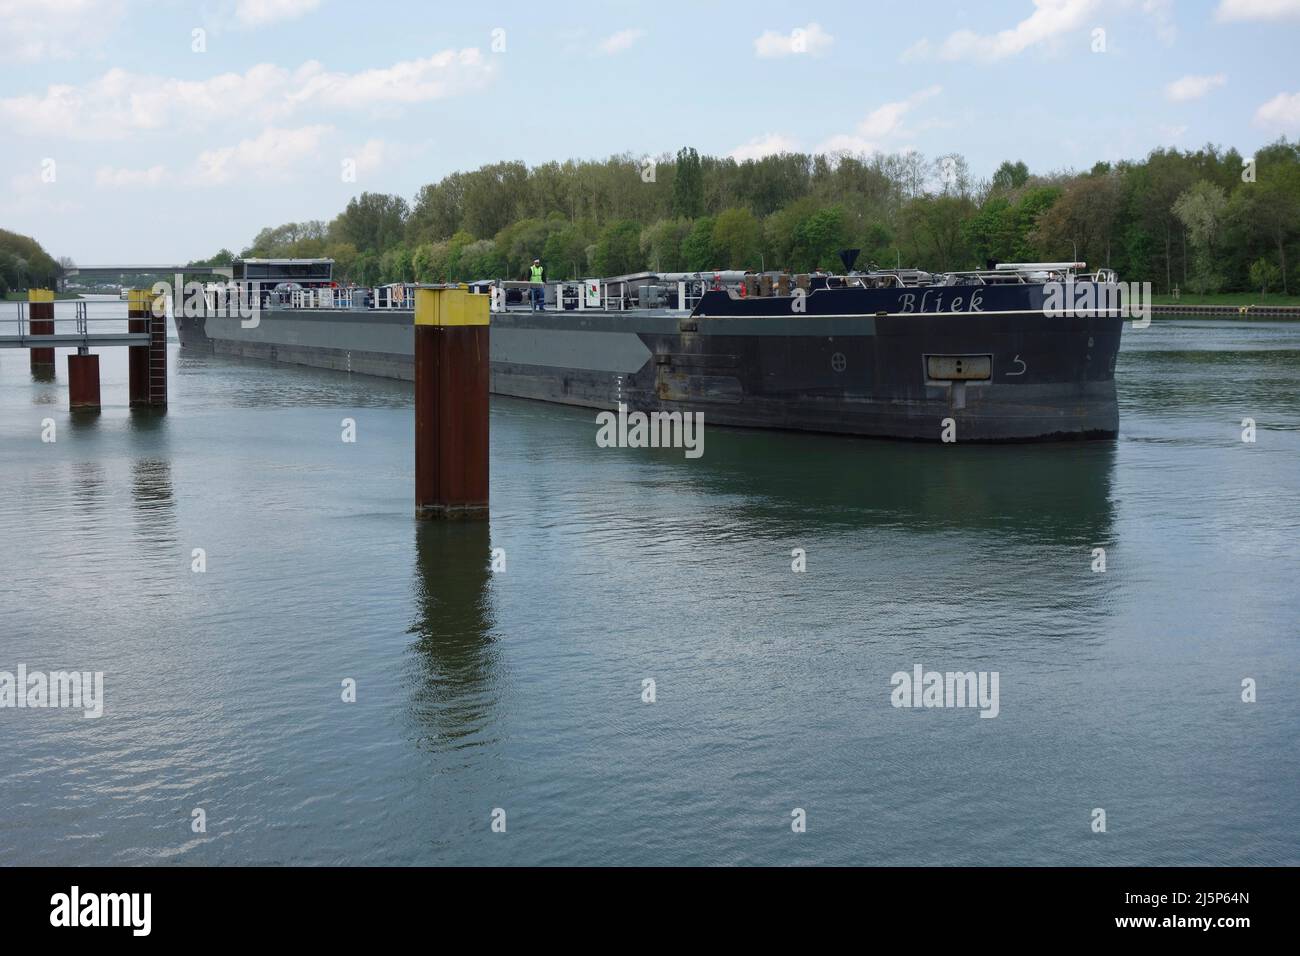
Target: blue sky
(129, 138)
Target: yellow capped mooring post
(40, 321)
(147, 363)
(452, 380)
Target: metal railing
(72, 322)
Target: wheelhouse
(307, 273)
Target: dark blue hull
(856, 362)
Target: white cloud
(881, 128)
(847, 143)
(120, 178)
(1161, 15)
(444, 74)
(886, 120)
(255, 13)
(1172, 132)
(1192, 87)
(119, 103)
(883, 123)
(371, 155)
(1257, 9)
(769, 144)
(620, 41)
(810, 39)
(1050, 19)
(1281, 112)
(376, 153)
(55, 29)
(272, 154)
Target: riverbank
(1249, 311)
(1243, 305)
(1240, 305)
(1233, 299)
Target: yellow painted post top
(451, 306)
(137, 299)
(40, 295)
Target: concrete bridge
(122, 272)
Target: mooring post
(452, 374)
(138, 313)
(147, 364)
(40, 321)
(83, 380)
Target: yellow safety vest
(536, 273)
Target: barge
(965, 356)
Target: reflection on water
(84, 419)
(456, 692)
(523, 689)
(155, 504)
(89, 487)
(789, 483)
(148, 419)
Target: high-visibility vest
(536, 273)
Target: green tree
(372, 222)
(1264, 274)
(1201, 210)
(494, 197)
(818, 239)
(26, 264)
(661, 244)
(737, 239)
(688, 184)
(618, 249)
(395, 265)
(698, 253)
(1081, 222)
(1010, 176)
(438, 210)
(565, 252)
(481, 260)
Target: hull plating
(1049, 377)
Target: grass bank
(1234, 299)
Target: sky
(152, 131)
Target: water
(522, 690)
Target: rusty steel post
(138, 312)
(40, 320)
(83, 381)
(452, 375)
(147, 364)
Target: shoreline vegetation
(1218, 227)
(1205, 222)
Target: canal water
(520, 694)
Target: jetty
(41, 325)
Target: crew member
(537, 291)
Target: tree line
(1204, 220)
(24, 264)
